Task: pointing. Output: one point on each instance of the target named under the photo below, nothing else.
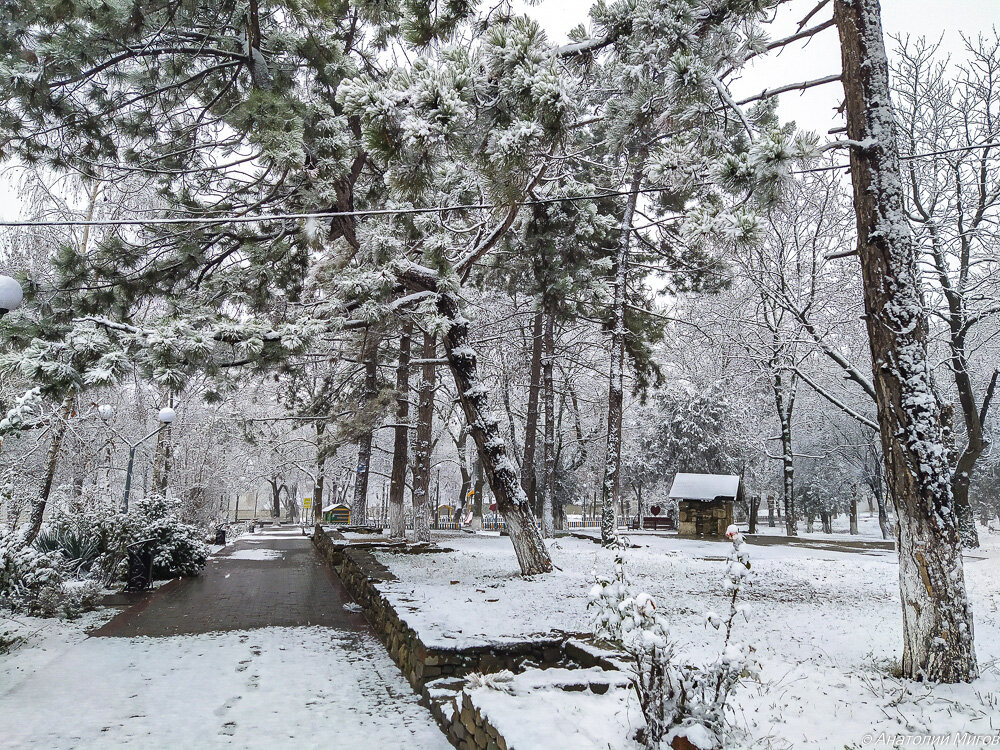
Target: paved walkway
(264, 650)
(274, 578)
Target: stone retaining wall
(461, 721)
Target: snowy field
(826, 626)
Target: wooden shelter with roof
(705, 503)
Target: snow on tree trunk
(397, 478)
(51, 462)
(854, 511)
(938, 640)
(423, 442)
(359, 507)
(784, 400)
(317, 505)
(512, 502)
(611, 486)
(754, 511)
(549, 487)
(528, 478)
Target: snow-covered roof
(705, 486)
(328, 508)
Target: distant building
(705, 503)
(337, 513)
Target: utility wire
(210, 220)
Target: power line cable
(212, 220)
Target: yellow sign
(307, 503)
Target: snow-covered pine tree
(678, 142)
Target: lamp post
(105, 412)
(166, 416)
(10, 295)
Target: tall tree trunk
(549, 448)
(51, 463)
(512, 502)
(938, 642)
(754, 510)
(317, 490)
(883, 516)
(359, 507)
(318, 494)
(478, 487)
(611, 485)
(529, 480)
(162, 455)
(785, 400)
(975, 442)
(466, 496)
(400, 439)
(854, 510)
(275, 497)
(423, 446)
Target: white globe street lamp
(10, 295)
(165, 416)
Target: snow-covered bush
(93, 543)
(178, 547)
(78, 543)
(29, 579)
(678, 697)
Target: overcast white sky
(814, 108)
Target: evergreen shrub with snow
(76, 553)
(179, 549)
(35, 581)
(678, 697)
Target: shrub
(30, 580)
(677, 697)
(178, 547)
(79, 545)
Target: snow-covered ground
(266, 688)
(826, 626)
(524, 708)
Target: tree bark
(464, 496)
(784, 400)
(754, 510)
(529, 480)
(611, 485)
(826, 518)
(854, 511)
(549, 448)
(423, 442)
(883, 517)
(400, 440)
(938, 643)
(359, 507)
(51, 463)
(512, 502)
(477, 488)
(975, 442)
(318, 493)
